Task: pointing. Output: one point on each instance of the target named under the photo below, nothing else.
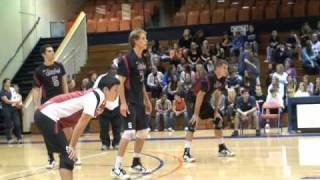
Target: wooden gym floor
(270, 157)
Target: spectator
(246, 111)
(249, 82)
(309, 59)
(231, 103)
(92, 76)
(218, 51)
(281, 75)
(194, 54)
(179, 108)
(172, 71)
(209, 67)
(163, 107)
(302, 91)
(316, 91)
(309, 85)
(276, 85)
(291, 88)
(290, 68)
(187, 71)
(252, 67)
(252, 39)
(274, 42)
(292, 43)
(186, 39)
(260, 97)
(306, 32)
(181, 65)
(172, 87)
(10, 115)
(316, 44)
(274, 98)
(206, 54)
(71, 84)
(233, 81)
(84, 84)
(199, 37)
(280, 54)
(154, 83)
(155, 61)
(155, 47)
(226, 43)
(176, 55)
(269, 75)
(237, 42)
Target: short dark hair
(108, 81)
(244, 90)
(221, 62)
(44, 47)
(4, 81)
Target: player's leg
(187, 157)
(104, 130)
(236, 125)
(116, 128)
(129, 124)
(142, 133)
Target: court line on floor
(200, 138)
(44, 170)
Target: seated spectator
(231, 103)
(185, 40)
(155, 47)
(172, 87)
(251, 39)
(241, 59)
(154, 83)
(179, 108)
(206, 54)
(290, 88)
(276, 85)
(273, 43)
(292, 44)
(274, 98)
(71, 84)
(269, 75)
(309, 85)
(194, 54)
(237, 42)
(316, 91)
(172, 71)
(246, 111)
(218, 51)
(199, 37)
(176, 55)
(310, 59)
(209, 67)
(187, 71)
(92, 76)
(252, 66)
(163, 107)
(281, 75)
(226, 43)
(302, 91)
(84, 84)
(260, 97)
(249, 82)
(280, 54)
(316, 44)
(290, 68)
(180, 66)
(306, 33)
(233, 81)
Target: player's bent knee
(142, 134)
(128, 134)
(65, 162)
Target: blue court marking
(199, 138)
(161, 164)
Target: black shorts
(206, 111)
(54, 136)
(137, 119)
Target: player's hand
(124, 110)
(194, 120)
(72, 153)
(149, 106)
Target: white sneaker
(119, 174)
(156, 130)
(139, 169)
(185, 128)
(51, 165)
(187, 157)
(170, 129)
(104, 148)
(225, 152)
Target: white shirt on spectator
(316, 47)
(300, 93)
(276, 99)
(282, 77)
(151, 80)
(166, 106)
(280, 90)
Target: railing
(20, 46)
(72, 53)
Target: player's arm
(199, 100)
(36, 94)
(7, 101)
(65, 84)
(147, 99)
(78, 130)
(217, 95)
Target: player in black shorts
(49, 80)
(132, 97)
(207, 108)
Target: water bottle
(267, 128)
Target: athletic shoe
(186, 128)
(170, 129)
(187, 156)
(10, 141)
(78, 162)
(20, 141)
(224, 151)
(119, 173)
(51, 164)
(258, 132)
(104, 148)
(156, 130)
(235, 133)
(165, 129)
(116, 147)
(137, 167)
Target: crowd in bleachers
(174, 73)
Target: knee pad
(128, 134)
(142, 134)
(191, 128)
(218, 123)
(65, 162)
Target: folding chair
(269, 106)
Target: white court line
(44, 167)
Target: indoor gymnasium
(160, 89)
